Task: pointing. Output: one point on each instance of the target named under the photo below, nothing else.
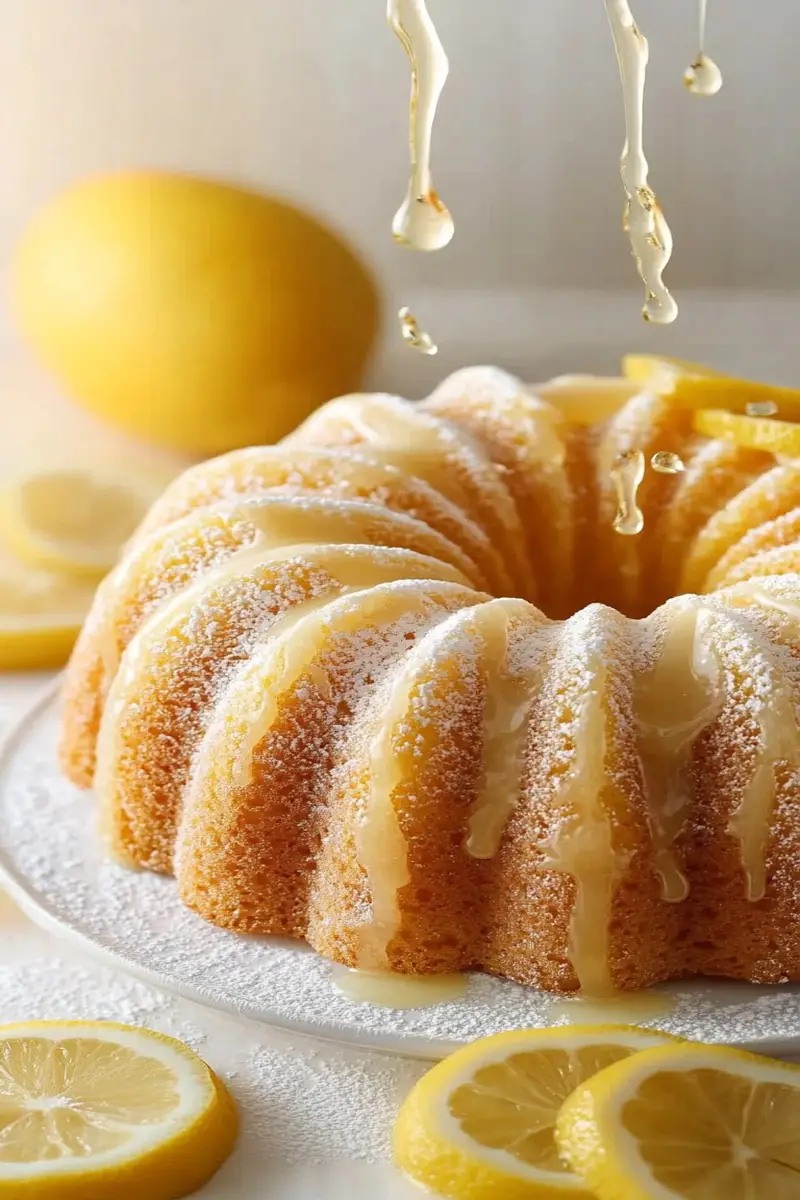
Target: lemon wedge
(77, 519)
(481, 1124)
(757, 433)
(685, 1120)
(91, 1111)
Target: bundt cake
(299, 694)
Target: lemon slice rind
(660, 370)
(40, 616)
(160, 1159)
(593, 1137)
(432, 1147)
(40, 645)
(732, 395)
(755, 433)
(75, 520)
(693, 386)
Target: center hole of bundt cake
(621, 591)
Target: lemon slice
(691, 385)
(757, 433)
(40, 616)
(75, 520)
(95, 1111)
(694, 386)
(685, 1120)
(659, 371)
(735, 396)
(586, 399)
(481, 1123)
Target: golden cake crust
(303, 693)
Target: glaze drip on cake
(674, 702)
(380, 841)
(581, 844)
(396, 687)
(509, 695)
(774, 744)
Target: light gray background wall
(309, 97)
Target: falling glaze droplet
(667, 463)
(413, 336)
(422, 221)
(627, 474)
(761, 408)
(703, 77)
(643, 220)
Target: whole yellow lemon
(196, 314)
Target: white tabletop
(316, 1118)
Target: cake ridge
(407, 737)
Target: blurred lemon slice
(757, 433)
(658, 370)
(91, 1111)
(482, 1122)
(691, 385)
(40, 615)
(75, 519)
(685, 1120)
(735, 395)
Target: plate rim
(29, 900)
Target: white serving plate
(52, 863)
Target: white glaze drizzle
(422, 221)
(673, 702)
(508, 701)
(643, 220)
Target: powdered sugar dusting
(49, 851)
(444, 454)
(780, 531)
(584, 705)
(300, 1102)
(777, 560)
